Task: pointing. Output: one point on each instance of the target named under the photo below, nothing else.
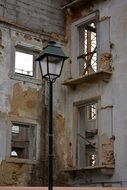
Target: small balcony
(91, 78)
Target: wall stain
(25, 103)
(13, 174)
(108, 150)
(105, 62)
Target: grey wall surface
(113, 93)
(38, 15)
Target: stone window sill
(25, 78)
(91, 78)
(105, 170)
(20, 161)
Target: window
(24, 63)
(23, 141)
(91, 46)
(23, 66)
(87, 135)
(88, 47)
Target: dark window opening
(23, 141)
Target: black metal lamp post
(51, 62)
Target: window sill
(105, 170)
(91, 78)
(20, 161)
(25, 78)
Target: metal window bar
(91, 151)
(23, 72)
(85, 139)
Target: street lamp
(51, 62)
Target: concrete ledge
(63, 188)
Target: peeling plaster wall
(12, 174)
(33, 97)
(20, 101)
(25, 102)
(29, 24)
(112, 95)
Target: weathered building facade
(95, 93)
(25, 28)
(89, 98)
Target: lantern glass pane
(43, 65)
(55, 65)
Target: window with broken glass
(87, 48)
(23, 141)
(87, 136)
